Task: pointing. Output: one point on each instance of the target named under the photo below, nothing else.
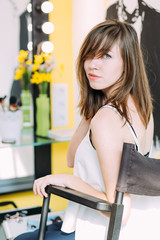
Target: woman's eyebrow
(110, 51)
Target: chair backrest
(138, 174)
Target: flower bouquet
(41, 75)
(41, 71)
(24, 70)
(23, 73)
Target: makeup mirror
(17, 159)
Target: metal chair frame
(138, 175)
(116, 208)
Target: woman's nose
(94, 63)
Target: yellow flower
(34, 78)
(22, 56)
(38, 59)
(42, 68)
(28, 62)
(21, 66)
(18, 73)
(23, 53)
(38, 78)
(23, 71)
(35, 67)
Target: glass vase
(26, 99)
(42, 115)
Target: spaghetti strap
(129, 126)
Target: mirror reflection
(16, 21)
(17, 164)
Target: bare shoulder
(107, 126)
(106, 118)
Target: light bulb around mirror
(47, 47)
(29, 27)
(47, 7)
(30, 46)
(47, 27)
(29, 7)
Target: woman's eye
(107, 56)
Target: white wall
(86, 14)
(9, 41)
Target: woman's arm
(108, 135)
(65, 180)
(73, 182)
(75, 141)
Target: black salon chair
(138, 175)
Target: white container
(10, 126)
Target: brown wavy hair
(133, 80)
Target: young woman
(116, 107)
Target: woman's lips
(93, 76)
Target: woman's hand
(41, 183)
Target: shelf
(27, 139)
(16, 184)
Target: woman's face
(103, 72)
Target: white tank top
(77, 217)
